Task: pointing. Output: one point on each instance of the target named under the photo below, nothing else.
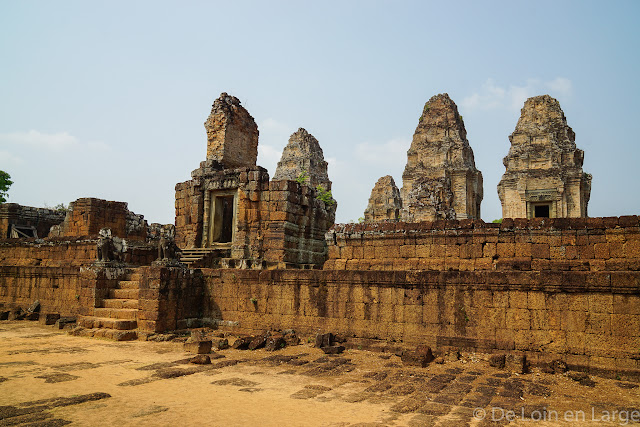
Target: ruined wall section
(189, 205)
(540, 244)
(297, 224)
(41, 219)
(86, 216)
(232, 134)
(68, 252)
(57, 288)
(544, 166)
(440, 180)
(385, 203)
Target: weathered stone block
(197, 346)
(421, 356)
(49, 318)
(516, 363)
(540, 250)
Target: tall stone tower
(385, 203)
(232, 134)
(303, 156)
(543, 176)
(440, 180)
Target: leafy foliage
(324, 195)
(497, 221)
(60, 207)
(5, 183)
(303, 177)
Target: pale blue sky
(108, 99)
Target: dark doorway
(22, 232)
(541, 211)
(223, 219)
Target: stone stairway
(117, 317)
(195, 255)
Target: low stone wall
(539, 244)
(67, 253)
(589, 319)
(58, 289)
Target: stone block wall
(191, 212)
(61, 252)
(50, 253)
(87, 216)
(25, 216)
(297, 225)
(58, 289)
(168, 297)
(539, 244)
(189, 207)
(589, 319)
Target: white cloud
(519, 94)
(55, 142)
(268, 157)
(391, 153)
(7, 158)
(271, 125)
(274, 136)
(560, 86)
(491, 96)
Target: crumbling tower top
(303, 156)
(385, 202)
(232, 134)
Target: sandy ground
(49, 378)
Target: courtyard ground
(49, 378)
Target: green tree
(5, 183)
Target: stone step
(124, 293)
(134, 277)
(120, 303)
(110, 334)
(193, 255)
(197, 250)
(91, 322)
(116, 313)
(129, 284)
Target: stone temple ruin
(230, 214)
(440, 180)
(249, 254)
(544, 176)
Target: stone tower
(543, 176)
(440, 180)
(303, 156)
(232, 134)
(385, 202)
